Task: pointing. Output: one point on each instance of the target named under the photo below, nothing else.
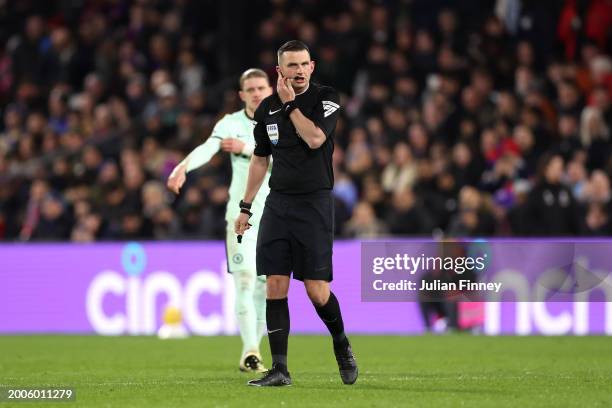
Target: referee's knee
(277, 286)
(318, 291)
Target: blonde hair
(253, 73)
(590, 118)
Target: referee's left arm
(308, 131)
(314, 131)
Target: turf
(427, 371)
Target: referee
(296, 127)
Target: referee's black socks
(277, 319)
(331, 316)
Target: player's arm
(237, 146)
(197, 158)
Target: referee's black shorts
(296, 234)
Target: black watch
(289, 107)
(244, 205)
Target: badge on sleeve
(329, 107)
(272, 133)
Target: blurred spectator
(576, 179)
(447, 109)
(406, 216)
(464, 167)
(358, 157)
(595, 136)
(551, 208)
(364, 224)
(473, 218)
(54, 222)
(401, 172)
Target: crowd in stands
(459, 118)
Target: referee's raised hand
(284, 88)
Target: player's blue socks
(332, 317)
(277, 317)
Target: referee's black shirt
(296, 168)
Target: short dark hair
(293, 45)
(543, 164)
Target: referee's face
(297, 66)
(254, 90)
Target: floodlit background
(450, 113)
(474, 118)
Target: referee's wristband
(289, 107)
(245, 205)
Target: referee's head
(294, 63)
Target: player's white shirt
(239, 126)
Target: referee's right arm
(257, 172)
(261, 156)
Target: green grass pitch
(424, 371)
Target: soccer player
(234, 134)
(296, 127)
